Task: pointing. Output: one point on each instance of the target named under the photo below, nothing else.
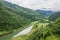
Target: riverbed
(23, 32)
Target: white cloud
(38, 4)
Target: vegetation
(54, 16)
(43, 31)
(46, 13)
(13, 16)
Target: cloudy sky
(38, 4)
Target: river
(23, 32)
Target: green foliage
(54, 16)
(56, 26)
(13, 16)
(40, 31)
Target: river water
(23, 32)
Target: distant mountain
(54, 16)
(45, 12)
(13, 16)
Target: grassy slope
(25, 37)
(53, 37)
(36, 32)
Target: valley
(20, 23)
(24, 37)
(12, 35)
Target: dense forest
(45, 12)
(43, 31)
(54, 16)
(15, 18)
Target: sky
(38, 4)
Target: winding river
(25, 31)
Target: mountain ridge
(13, 16)
(45, 12)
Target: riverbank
(25, 31)
(34, 29)
(9, 36)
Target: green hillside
(13, 16)
(54, 16)
(43, 31)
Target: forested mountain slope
(54, 16)
(43, 31)
(13, 16)
(45, 12)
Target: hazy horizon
(38, 4)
